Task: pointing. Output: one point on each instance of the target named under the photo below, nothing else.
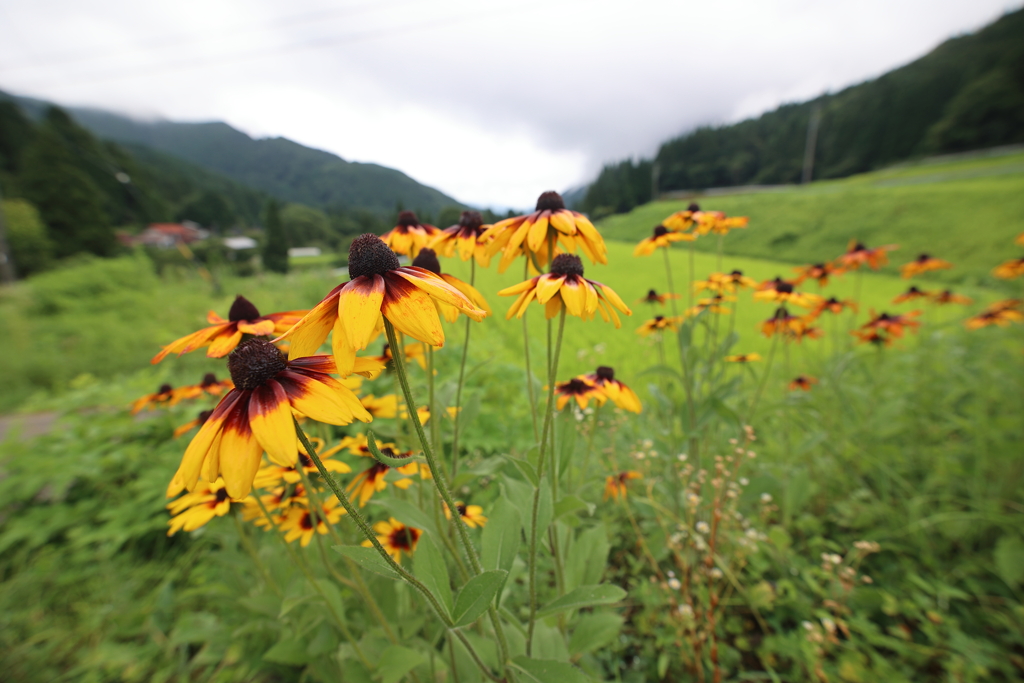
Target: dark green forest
(966, 94)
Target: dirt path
(25, 426)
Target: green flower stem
(435, 415)
(462, 377)
(764, 379)
(442, 486)
(365, 528)
(342, 626)
(590, 443)
(526, 357)
(476, 657)
(548, 412)
(688, 376)
(251, 550)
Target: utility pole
(812, 141)
(7, 272)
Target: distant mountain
(277, 166)
(968, 93)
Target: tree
(275, 245)
(31, 249)
(306, 226)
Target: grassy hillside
(278, 166)
(965, 211)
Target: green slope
(966, 211)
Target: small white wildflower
(751, 454)
(686, 611)
(744, 481)
(600, 347)
(715, 573)
(653, 454)
(731, 494)
(807, 625)
(766, 498)
(682, 457)
(648, 443)
(702, 527)
(752, 534)
(674, 584)
(733, 441)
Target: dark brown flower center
(471, 220)
(222, 495)
(408, 218)
(693, 207)
(651, 294)
(859, 246)
(923, 258)
(306, 522)
(736, 273)
(660, 230)
(404, 538)
(658, 318)
(575, 386)
(254, 363)
(784, 287)
(164, 389)
(368, 255)
(209, 379)
(550, 201)
(242, 309)
(605, 372)
(567, 264)
(461, 508)
(913, 290)
(427, 258)
(204, 416)
(305, 460)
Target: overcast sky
(490, 102)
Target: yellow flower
(165, 394)
(654, 298)
(566, 287)
(661, 237)
(379, 287)
(384, 407)
(948, 297)
(857, 255)
(779, 291)
(717, 223)
(622, 396)
(396, 538)
(1011, 269)
(743, 358)
(681, 221)
(273, 474)
(372, 479)
(299, 523)
(195, 509)
(427, 259)
(911, 294)
(1001, 313)
(466, 237)
(658, 323)
(580, 390)
(529, 234)
(923, 264)
(615, 485)
(210, 385)
(803, 383)
(472, 515)
(819, 272)
(257, 415)
(224, 335)
(409, 236)
(198, 422)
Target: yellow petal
(359, 307)
(260, 329)
(563, 222)
(574, 296)
(270, 418)
(224, 343)
(196, 453)
(538, 232)
(547, 286)
(307, 335)
(412, 312)
(240, 455)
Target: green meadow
(915, 448)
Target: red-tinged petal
(259, 329)
(439, 288)
(369, 368)
(224, 343)
(308, 335)
(322, 363)
(240, 454)
(469, 291)
(538, 232)
(359, 308)
(574, 296)
(215, 319)
(317, 400)
(270, 418)
(412, 312)
(592, 298)
(211, 470)
(547, 286)
(199, 447)
(189, 342)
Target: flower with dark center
(299, 523)
(472, 515)
(396, 538)
(819, 272)
(224, 335)
(923, 264)
(659, 323)
(661, 237)
(164, 394)
(911, 294)
(428, 260)
(654, 298)
(1001, 313)
(780, 291)
(948, 297)
(615, 484)
(195, 509)
(892, 324)
(379, 287)
(622, 396)
(274, 475)
(465, 237)
(743, 358)
(372, 479)
(857, 255)
(565, 287)
(580, 390)
(257, 415)
(803, 383)
(198, 422)
(782, 322)
(210, 385)
(1009, 270)
(409, 236)
(833, 305)
(550, 228)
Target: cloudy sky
(491, 102)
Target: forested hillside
(277, 166)
(966, 94)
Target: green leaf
(501, 537)
(407, 512)
(545, 510)
(528, 470)
(429, 567)
(594, 631)
(476, 595)
(584, 596)
(289, 652)
(547, 671)
(1009, 556)
(396, 661)
(367, 558)
(586, 563)
(571, 504)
